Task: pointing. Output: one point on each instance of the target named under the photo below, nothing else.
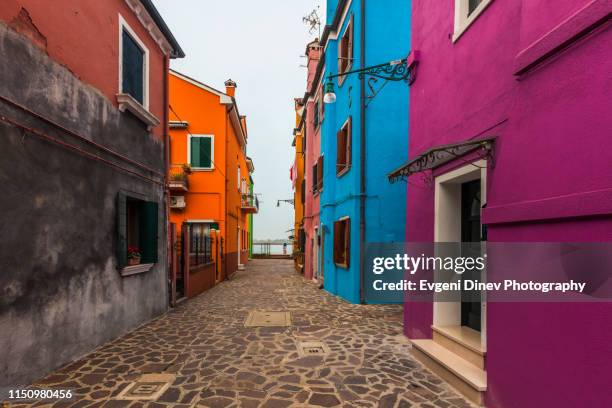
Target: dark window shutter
(132, 68)
(148, 231)
(201, 152)
(347, 242)
(349, 142)
(195, 151)
(315, 182)
(303, 191)
(338, 246)
(206, 152)
(121, 230)
(320, 172)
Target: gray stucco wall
(61, 295)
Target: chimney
(230, 87)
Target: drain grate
(312, 348)
(268, 319)
(149, 387)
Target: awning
(437, 156)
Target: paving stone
(324, 400)
(218, 362)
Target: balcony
(250, 204)
(178, 179)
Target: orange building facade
(210, 184)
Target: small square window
(137, 231)
(342, 242)
(201, 152)
(344, 147)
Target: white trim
(447, 195)
(136, 269)
(462, 20)
(127, 102)
(346, 217)
(200, 221)
(212, 152)
(123, 25)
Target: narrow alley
(209, 352)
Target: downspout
(362, 135)
(166, 136)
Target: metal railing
(178, 177)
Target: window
(472, 4)
(320, 173)
(466, 12)
(239, 179)
(201, 152)
(343, 147)
(342, 242)
(136, 231)
(303, 192)
(133, 65)
(345, 50)
(201, 243)
(317, 111)
(315, 175)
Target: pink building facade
(313, 102)
(529, 83)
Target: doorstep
(469, 379)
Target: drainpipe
(166, 137)
(362, 134)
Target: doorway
(471, 301)
(460, 195)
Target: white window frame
(462, 20)
(239, 179)
(124, 26)
(212, 152)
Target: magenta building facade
(521, 90)
(313, 106)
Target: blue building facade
(364, 137)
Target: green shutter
(195, 152)
(121, 230)
(206, 152)
(148, 231)
(201, 152)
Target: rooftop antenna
(313, 21)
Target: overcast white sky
(258, 44)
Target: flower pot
(134, 261)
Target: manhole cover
(312, 348)
(268, 319)
(149, 387)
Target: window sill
(202, 169)
(136, 269)
(343, 171)
(128, 103)
(341, 265)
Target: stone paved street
(210, 359)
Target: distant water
(274, 249)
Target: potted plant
(133, 256)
